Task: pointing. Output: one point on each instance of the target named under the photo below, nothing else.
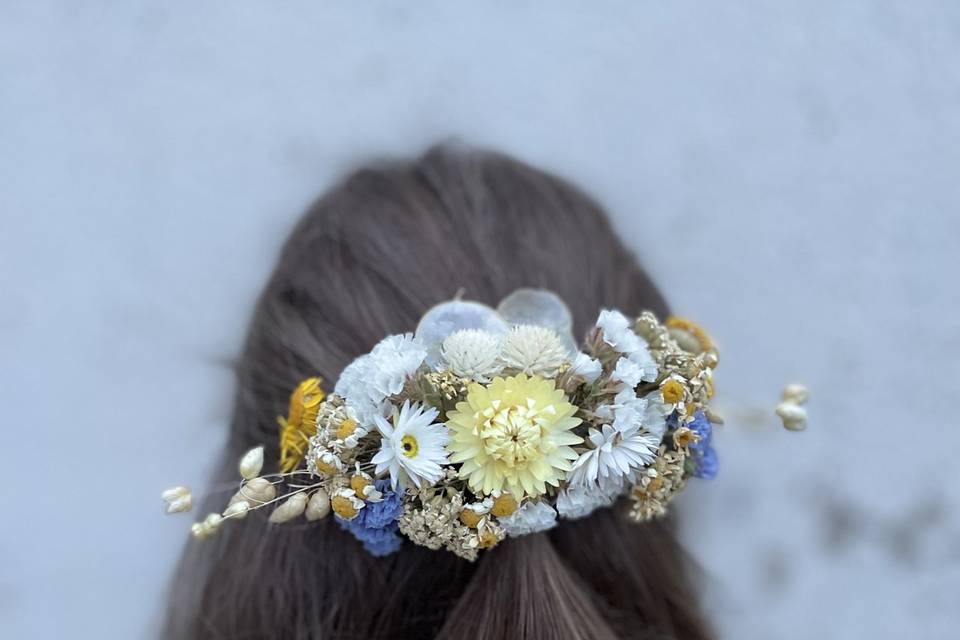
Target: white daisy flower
(586, 367)
(535, 351)
(580, 501)
(369, 380)
(472, 353)
(531, 517)
(413, 447)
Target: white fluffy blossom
(529, 518)
(617, 332)
(533, 350)
(580, 501)
(472, 353)
(640, 365)
(627, 372)
(586, 367)
(369, 380)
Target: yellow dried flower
(327, 463)
(470, 518)
(488, 538)
(346, 505)
(684, 437)
(513, 434)
(346, 429)
(672, 391)
(358, 483)
(690, 336)
(504, 506)
(300, 424)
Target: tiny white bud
(796, 393)
(174, 493)
(291, 508)
(319, 505)
(256, 492)
(251, 463)
(212, 521)
(199, 531)
(237, 510)
(180, 505)
(794, 417)
(178, 499)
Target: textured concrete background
(788, 170)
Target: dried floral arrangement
(487, 423)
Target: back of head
(368, 260)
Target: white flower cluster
(369, 380)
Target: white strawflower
(617, 454)
(413, 447)
(533, 350)
(586, 367)
(628, 441)
(369, 380)
(529, 518)
(580, 501)
(472, 353)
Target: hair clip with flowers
(487, 423)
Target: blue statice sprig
(376, 524)
(703, 454)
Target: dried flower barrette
(490, 423)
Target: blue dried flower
(376, 524)
(703, 453)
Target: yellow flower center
(343, 507)
(358, 483)
(488, 539)
(512, 435)
(504, 506)
(346, 429)
(672, 391)
(409, 446)
(470, 518)
(325, 467)
(684, 437)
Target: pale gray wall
(787, 170)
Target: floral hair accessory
(487, 423)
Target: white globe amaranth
(536, 351)
(472, 353)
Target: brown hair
(367, 260)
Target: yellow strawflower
(300, 424)
(513, 435)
